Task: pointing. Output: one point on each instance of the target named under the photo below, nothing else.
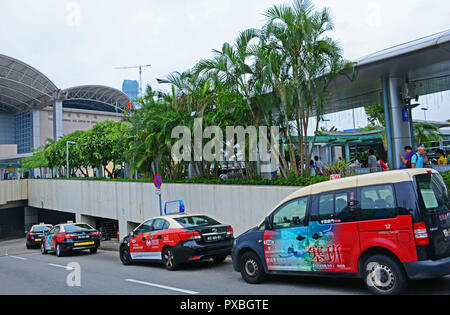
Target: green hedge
(291, 181)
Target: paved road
(25, 271)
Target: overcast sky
(80, 42)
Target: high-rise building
(131, 89)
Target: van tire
(252, 270)
(383, 275)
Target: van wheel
(384, 276)
(252, 270)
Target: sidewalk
(112, 245)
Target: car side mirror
(132, 234)
(268, 223)
(26, 232)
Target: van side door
(381, 223)
(333, 232)
(285, 245)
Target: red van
(385, 228)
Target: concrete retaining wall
(12, 191)
(241, 206)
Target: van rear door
(435, 213)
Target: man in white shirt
(319, 166)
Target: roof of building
(424, 62)
(22, 88)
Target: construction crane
(140, 74)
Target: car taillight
(70, 236)
(95, 234)
(190, 236)
(229, 232)
(32, 234)
(421, 234)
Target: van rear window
(434, 192)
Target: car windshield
(41, 228)
(194, 221)
(77, 228)
(434, 193)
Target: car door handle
(301, 238)
(317, 236)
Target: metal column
(397, 131)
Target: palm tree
(232, 66)
(314, 60)
(425, 133)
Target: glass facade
(23, 131)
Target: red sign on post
(157, 181)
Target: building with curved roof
(33, 108)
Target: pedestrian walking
(419, 159)
(407, 158)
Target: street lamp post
(67, 156)
(424, 112)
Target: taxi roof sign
(174, 207)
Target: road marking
(59, 266)
(162, 286)
(16, 257)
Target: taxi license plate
(84, 244)
(446, 233)
(214, 238)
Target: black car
(36, 234)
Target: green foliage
(338, 167)
(425, 133)
(446, 177)
(290, 181)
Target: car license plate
(38, 239)
(446, 232)
(214, 238)
(84, 244)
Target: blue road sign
(405, 115)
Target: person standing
(420, 159)
(312, 167)
(407, 159)
(442, 158)
(372, 160)
(319, 166)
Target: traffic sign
(157, 181)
